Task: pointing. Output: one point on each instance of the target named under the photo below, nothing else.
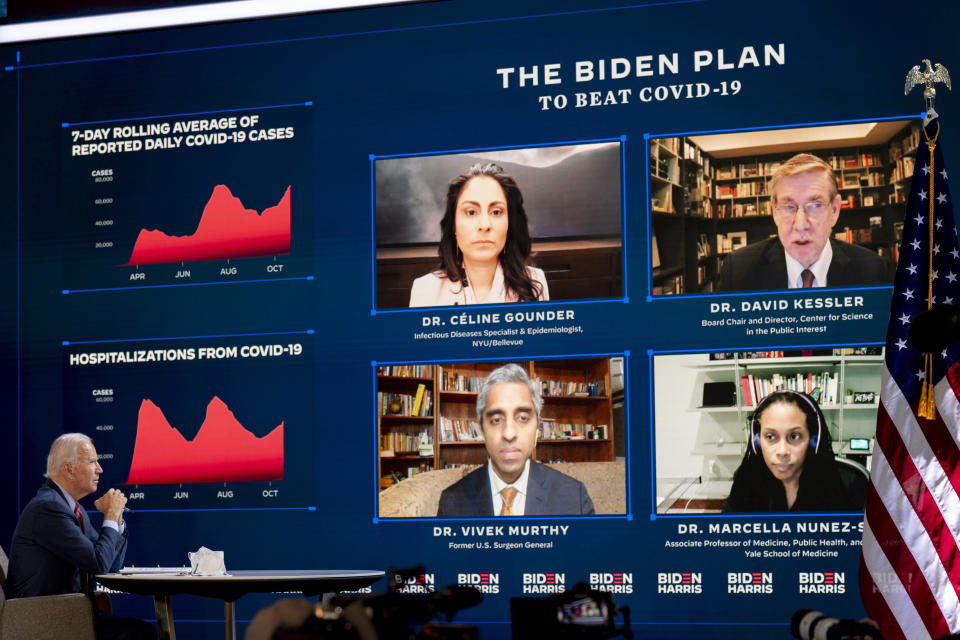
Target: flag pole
(927, 407)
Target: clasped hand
(111, 504)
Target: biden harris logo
(684, 582)
(822, 582)
(544, 583)
(483, 582)
(754, 582)
(420, 583)
(616, 582)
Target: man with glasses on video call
(806, 206)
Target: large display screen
(269, 266)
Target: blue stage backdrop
(211, 235)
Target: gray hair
(508, 373)
(802, 163)
(64, 450)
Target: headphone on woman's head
(755, 420)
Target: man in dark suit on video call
(511, 483)
(56, 549)
(806, 206)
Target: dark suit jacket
(762, 265)
(50, 553)
(549, 493)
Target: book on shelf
(406, 371)
(460, 430)
(547, 429)
(454, 381)
(446, 431)
(894, 151)
(728, 172)
(858, 351)
(821, 386)
(849, 161)
(902, 170)
(671, 144)
(551, 429)
(418, 400)
(393, 443)
(797, 353)
(402, 404)
(849, 180)
(704, 248)
(740, 190)
(458, 465)
(572, 388)
(747, 390)
(858, 236)
(911, 140)
(724, 244)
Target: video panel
(449, 433)
(560, 235)
(710, 432)
(716, 225)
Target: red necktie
(807, 278)
(76, 512)
(86, 576)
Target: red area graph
(226, 230)
(222, 451)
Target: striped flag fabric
(910, 563)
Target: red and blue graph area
(222, 451)
(226, 230)
(209, 214)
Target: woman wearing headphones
(789, 464)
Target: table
(231, 588)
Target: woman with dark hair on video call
(484, 246)
(789, 465)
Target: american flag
(910, 566)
